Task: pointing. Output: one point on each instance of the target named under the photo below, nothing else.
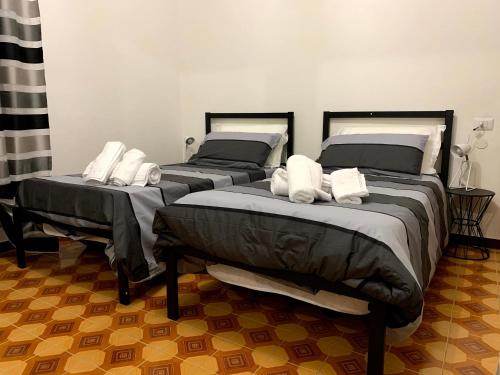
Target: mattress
(127, 212)
(386, 247)
(255, 281)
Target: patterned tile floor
(68, 321)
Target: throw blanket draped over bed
(129, 210)
(387, 247)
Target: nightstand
(467, 210)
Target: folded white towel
(148, 174)
(126, 170)
(348, 186)
(99, 170)
(88, 169)
(279, 183)
(304, 180)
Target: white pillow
(274, 158)
(432, 147)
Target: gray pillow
(237, 147)
(391, 152)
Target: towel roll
(279, 182)
(148, 174)
(326, 183)
(304, 180)
(126, 170)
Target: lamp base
(462, 173)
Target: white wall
(145, 72)
(311, 56)
(111, 75)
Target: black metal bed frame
(21, 215)
(447, 116)
(377, 315)
(209, 116)
(376, 342)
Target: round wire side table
(467, 210)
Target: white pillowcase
(432, 147)
(274, 158)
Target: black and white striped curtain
(24, 124)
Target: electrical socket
(483, 123)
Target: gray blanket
(387, 247)
(126, 211)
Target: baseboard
(491, 243)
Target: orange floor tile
(68, 321)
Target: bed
(374, 259)
(123, 216)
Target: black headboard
(447, 116)
(269, 115)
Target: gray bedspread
(387, 247)
(128, 211)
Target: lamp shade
(461, 149)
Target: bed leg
(18, 237)
(376, 344)
(172, 285)
(123, 287)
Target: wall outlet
(483, 123)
